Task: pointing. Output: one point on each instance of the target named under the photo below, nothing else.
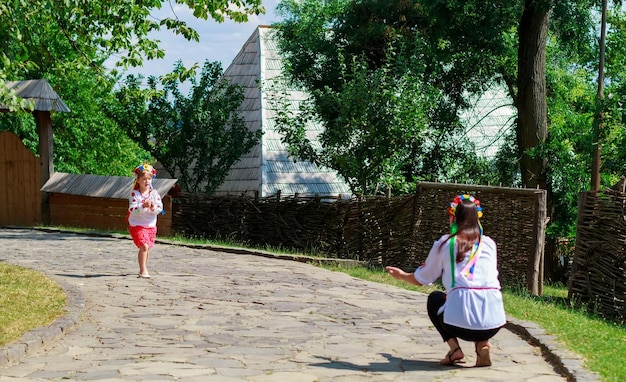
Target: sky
(218, 41)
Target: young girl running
(144, 205)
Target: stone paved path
(214, 316)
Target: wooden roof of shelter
(99, 186)
(38, 91)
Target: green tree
(67, 42)
(196, 138)
(95, 30)
(482, 41)
(86, 141)
(463, 47)
(614, 137)
(383, 125)
(569, 145)
(555, 40)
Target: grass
(28, 299)
(226, 243)
(599, 341)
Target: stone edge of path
(566, 363)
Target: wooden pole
(599, 120)
(582, 204)
(45, 147)
(535, 265)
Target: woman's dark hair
(468, 229)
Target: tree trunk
(532, 124)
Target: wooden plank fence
(20, 198)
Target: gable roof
(268, 168)
(98, 186)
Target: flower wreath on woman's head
(459, 199)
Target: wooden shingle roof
(40, 92)
(98, 186)
(268, 168)
(488, 120)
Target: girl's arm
(134, 202)
(399, 274)
(157, 203)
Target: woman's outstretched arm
(399, 274)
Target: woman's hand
(399, 274)
(396, 273)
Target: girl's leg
(434, 303)
(454, 355)
(483, 358)
(142, 258)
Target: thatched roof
(114, 187)
(40, 92)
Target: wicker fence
(382, 231)
(598, 275)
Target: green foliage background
(387, 80)
(198, 137)
(67, 43)
(421, 62)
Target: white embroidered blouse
(140, 216)
(474, 302)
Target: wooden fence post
(582, 204)
(534, 278)
(45, 147)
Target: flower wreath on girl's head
(141, 168)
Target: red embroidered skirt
(143, 235)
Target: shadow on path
(393, 364)
(85, 276)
